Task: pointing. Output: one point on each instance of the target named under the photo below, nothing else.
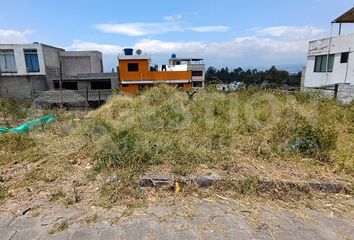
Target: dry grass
(253, 134)
(163, 127)
(59, 227)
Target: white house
(330, 63)
(339, 59)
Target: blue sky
(253, 33)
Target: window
(102, 84)
(7, 61)
(197, 73)
(31, 58)
(321, 63)
(66, 85)
(133, 67)
(344, 57)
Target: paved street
(202, 220)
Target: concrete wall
(75, 65)
(114, 81)
(83, 85)
(51, 60)
(81, 62)
(39, 83)
(21, 88)
(84, 80)
(72, 99)
(342, 72)
(20, 58)
(197, 67)
(80, 66)
(345, 93)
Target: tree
(210, 74)
(273, 77)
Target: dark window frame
(197, 73)
(133, 67)
(31, 60)
(6, 53)
(344, 58)
(101, 85)
(67, 85)
(321, 63)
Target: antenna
(139, 52)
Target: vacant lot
(95, 159)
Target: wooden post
(61, 84)
(99, 98)
(335, 91)
(87, 98)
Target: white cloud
(140, 29)
(13, 36)
(210, 29)
(167, 47)
(267, 46)
(106, 49)
(291, 32)
(170, 24)
(173, 17)
(247, 51)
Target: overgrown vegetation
(163, 127)
(253, 134)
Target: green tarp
(26, 127)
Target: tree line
(272, 77)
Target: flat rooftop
(132, 57)
(187, 59)
(27, 45)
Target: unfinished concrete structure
(24, 67)
(27, 70)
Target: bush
(314, 141)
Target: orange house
(136, 75)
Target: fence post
(99, 98)
(87, 96)
(335, 91)
(61, 84)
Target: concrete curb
(264, 184)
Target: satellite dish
(139, 51)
